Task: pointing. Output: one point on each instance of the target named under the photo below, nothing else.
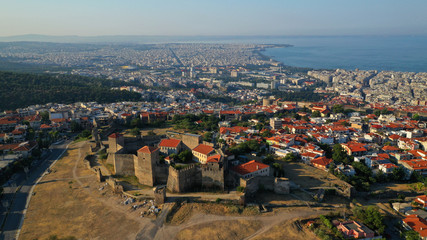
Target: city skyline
(192, 18)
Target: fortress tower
(145, 165)
(116, 142)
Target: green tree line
(23, 89)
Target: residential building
(202, 152)
(354, 229)
(169, 146)
(416, 223)
(251, 169)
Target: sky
(207, 17)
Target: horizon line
(203, 35)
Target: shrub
(240, 189)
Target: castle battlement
(183, 170)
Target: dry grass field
(308, 177)
(231, 230)
(287, 230)
(63, 207)
(187, 210)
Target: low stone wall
(253, 185)
(117, 188)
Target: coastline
(262, 47)
(331, 58)
(260, 51)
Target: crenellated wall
(212, 176)
(185, 179)
(196, 177)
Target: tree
(326, 221)
(28, 89)
(54, 135)
(135, 131)
(416, 117)
(338, 108)
(84, 134)
(315, 114)
(269, 159)
(325, 147)
(380, 177)
(339, 154)
(45, 117)
(362, 170)
(290, 157)
(136, 122)
(398, 174)
(411, 235)
(185, 156)
(31, 134)
(266, 134)
(371, 217)
(75, 126)
(278, 169)
(174, 156)
(208, 136)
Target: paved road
(12, 216)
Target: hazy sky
(206, 17)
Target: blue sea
(395, 53)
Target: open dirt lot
(186, 211)
(64, 206)
(287, 230)
(309, 177)
(232, 230)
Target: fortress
(129, 158)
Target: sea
(383, 53)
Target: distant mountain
(139, 39)
(76, 39)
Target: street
(15, 195)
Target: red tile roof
(394, 136)
(147, 149)
(203, 149)
(417, 224)
(45, 126)
(322, 161)
(172, 143)
(390, 148)
(249, 167)
(384, 155)
(59, 120)
(115, 135)
(215, 158)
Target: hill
(21, 90)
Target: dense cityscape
(221, 128)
